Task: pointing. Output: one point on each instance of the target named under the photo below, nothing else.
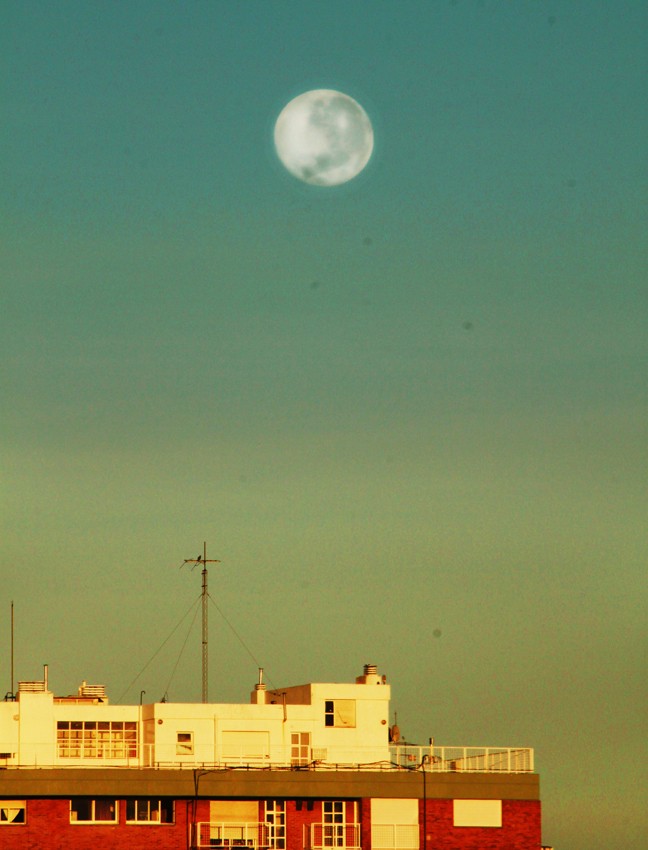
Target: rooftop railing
(432, 759)
(464, 759)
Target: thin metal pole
(205, 630)
(202, 559)
(12, 648)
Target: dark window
(90, 810)
(147, 810)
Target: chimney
(259, 693)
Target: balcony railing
(330, 835)
(464, 759)
(227, 836)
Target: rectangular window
(13, 811)
(339, 826)
(234, 823)
(245, 747)
(395, 824)
(333, 820)
(340, 712)
(106, 739)
(477, 812)
(300, 751)
(185, 744)
(146, 810)
(91, 810)
(275, 817)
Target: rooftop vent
(92, 691)
(32, 687)
(370, 676)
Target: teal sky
(407, 413)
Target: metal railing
(331, 835)
(433, 759)
(232, 835)
(464, 759)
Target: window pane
(104, 810)
(345, 712)
(81, 809)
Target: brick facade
(520, 828)
(48, 827)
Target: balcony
(329, 835)
(254, 836)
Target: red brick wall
(297, 819)
(364, 816)
(520, 828)
(48, 827)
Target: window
(395, 824)
(145, 810)
(477, 813)
(339, 712)
(234, 823)
(108, 739)
(339, 826)
(275, 817)
(244, 747)
(184, 744)
(90, 810)
(12, 811)
(300, 748)
(333, 820)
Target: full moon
(323, 137)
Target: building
(309, 767)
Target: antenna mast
(202, 559)
(12, 649)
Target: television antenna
(202, 559)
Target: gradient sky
(407, 413)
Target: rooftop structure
(297, 768)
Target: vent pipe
(259, 695)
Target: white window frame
(142, 805)
(185, 747)
(93, 800)
(340, 713)
(275, 818)
(300, 748)
(97, 739)
(334, 823)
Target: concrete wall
(32, 738)
(265, 784)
